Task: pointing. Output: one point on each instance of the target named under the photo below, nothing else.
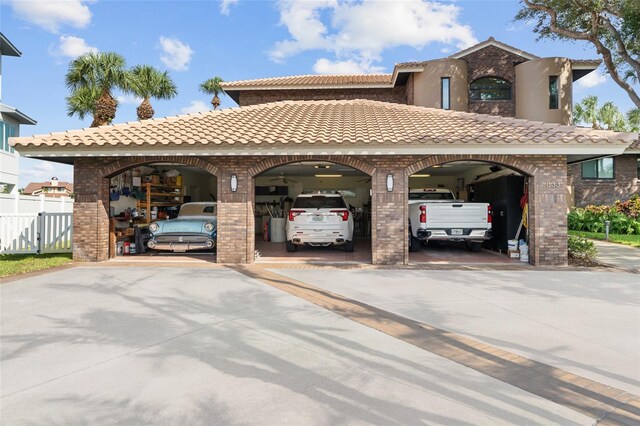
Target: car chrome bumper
(445, 235)
(317, 239)
(177, 246)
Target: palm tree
(82, 102)
(100, 72)
(610, 115)
(633, 119)
(148, 82)
(213, 87)
(587, 111)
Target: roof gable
(493, 42)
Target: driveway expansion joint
(612, 406)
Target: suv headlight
(209, 227)
(153, 227)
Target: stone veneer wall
(625, 184)
(493, 62)
(396, 95)
(548, 230)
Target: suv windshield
(319, 202)
(430, 196)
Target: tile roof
(35, 186)
(318, 124)
(310, 81)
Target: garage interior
(475, 181)
(277, 188)
(150, 193)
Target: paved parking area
(211, 345)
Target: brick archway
(126, 163)
(344, 160)
(510, 161)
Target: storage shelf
(178, 198)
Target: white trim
(72, 152)
(583, 66)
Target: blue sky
(240, 39)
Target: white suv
(320, 220)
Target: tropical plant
(212, 87)
(96, 74)
(587, 111)
(148, 82)
(612, 26)
(581, 248)
(607, 116)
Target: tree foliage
(148, 82)
(612, 26)
(93, 73)
(213, 87)
(608, 116)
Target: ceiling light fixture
(328, 176)
(321, 166)
(419, 176)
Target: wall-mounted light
(389, 182)
(234, 183)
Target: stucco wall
(427, 84)
(532, 86)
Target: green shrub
(624, 218)
(581, 248)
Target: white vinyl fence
(33, 230)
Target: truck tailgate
(457, 215)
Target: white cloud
(44, 166)
(32, 170)
(225, 5)
(326, 66)
(72, 47)
(52, 14)
(194, 107)
(593, 79)
(176, 55)
(359, 31)
(128, 100)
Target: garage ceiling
(308, 168)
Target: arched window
(490, 89)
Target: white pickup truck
(436, 215)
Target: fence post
(40, 226)
(42, 202)
(16, 205)
(62, 202)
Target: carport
(385, 141)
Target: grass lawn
(629, 240)
(13, 264)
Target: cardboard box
(514, 254)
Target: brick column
(389, 216)
(548, 212)
(235, 218)
(90, 212)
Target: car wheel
(415, 244)
(348, 246)
(474, 246)
(291, 247)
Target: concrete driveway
(112, 345)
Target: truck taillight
(423, 214)
(294, 213)
(489, 214)
(343, 213)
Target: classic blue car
(195, 228)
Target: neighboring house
(53, 188)
(491, 103)
(10, 121)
